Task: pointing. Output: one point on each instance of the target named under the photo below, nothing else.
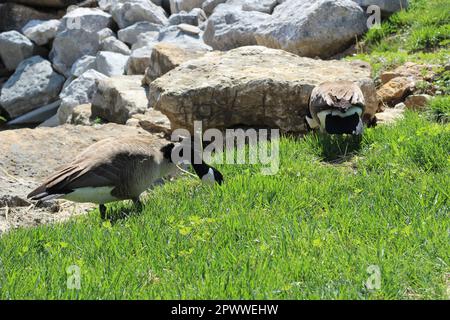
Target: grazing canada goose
(116, 169)
(337, 108)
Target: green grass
(420, 34)
(310, 232)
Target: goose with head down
(116, 169)
(337, 108)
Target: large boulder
(34, 84)
(313, 28)
(252, 86)
(70, 45)
(307, 28)
(15, 16)
(167, 56)
(41, 32)
(126, 13)
(230, 27)
(118, 98)
(80, 33)
(14, 48)
(79, 91)
(387, 7)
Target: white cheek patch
(209, 177)
(350, 112)
(313, 124)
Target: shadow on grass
(338, 149)
(122, 211)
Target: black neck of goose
(201, 169)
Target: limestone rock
(33, 85)
(130, 12)
(167, 56)
(88, 19)
(14, 48)
(194, 17)
(81, 115)
(111, 63)
(229, 27)
(130, 35)
(113, 45)
(395, 90)
(41, 32)
(209, 5)
(79, 91)
(251, 86)
(118, 98)
(320, 28)
(70, 45)
(82, 65)
(184, 5)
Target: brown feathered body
(109, 170)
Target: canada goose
(337, 108)
(116, 169)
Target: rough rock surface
(396, 90)
(79, 91)
(70, 45)
(82, 65)
(229, 27)
(167, 56)
(184, 5)
(111, 63)
(130, 12)
(194, 17)
(113, 45)
(131, 34)
(27, 156)
(41, 32)
(80, 33)
(118, 98)
(88, 19)
(34, 84)
(14, 48)
(320, 28)
(253, 86)
(15, 16)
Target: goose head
(207, 174)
